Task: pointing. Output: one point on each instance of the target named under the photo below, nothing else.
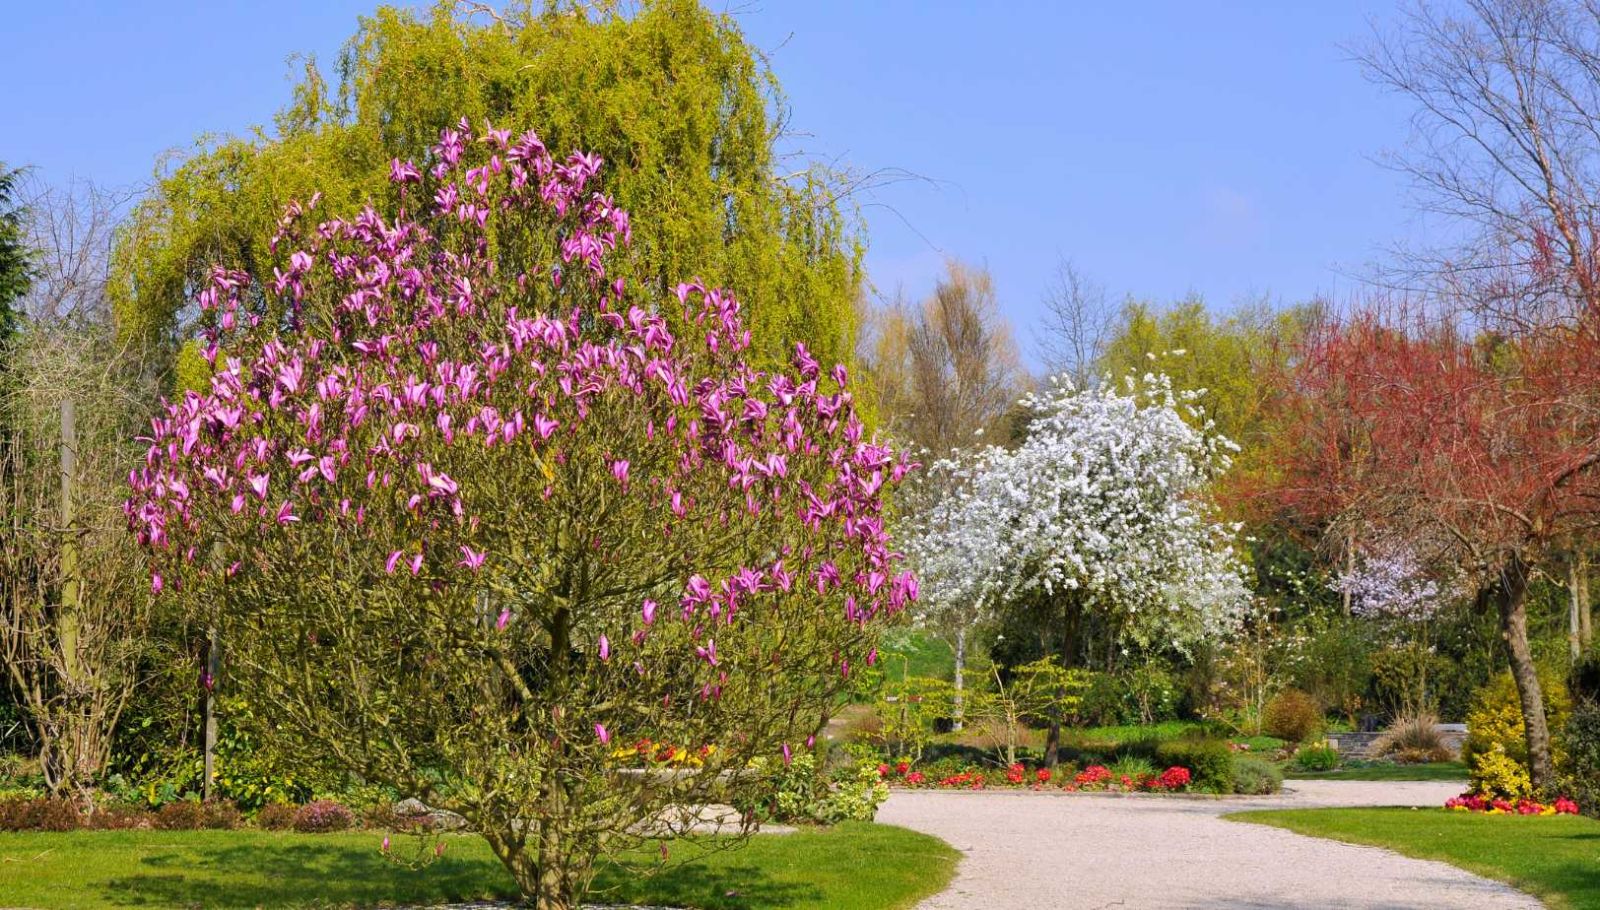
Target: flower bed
(1469, 802)
(1093, 779)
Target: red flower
(1015, 773)
(902, 768)
(1042, 775)
(915, 778)
(883, 770)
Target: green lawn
(863, 866)
(1387, 771)
(1556, 858)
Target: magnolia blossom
(1102, 500)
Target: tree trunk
(1577, 593)
(1511, 598)
(1070, 622)
(959, 702)
(1585, 608)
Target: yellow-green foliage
(672, 97)
(1496, 749)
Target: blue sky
(1167, 146)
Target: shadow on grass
(726, 886)
(298, 874)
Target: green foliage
(800, 791)
(1293, 716)
(1316, 758)
(1255, 776)
(1581, 738)
(1334, 663)
(1496, 749)
(16, 269)
(1209, 760)
(1226, 358)
(909, 711)
(674, 99)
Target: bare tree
(947, 371)
(70, 229)
(1078, 322)
(1506, 141)
(73, 608)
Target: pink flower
(619, 470)
(505, 617)
(648, 611)
(470, 558)
(602, 733)
(605, 648)
(391, 562)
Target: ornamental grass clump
(469, 515)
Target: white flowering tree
(1390, 582)
(1101, 510)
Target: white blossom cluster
(1390, 581)
(1104, 500)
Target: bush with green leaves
(1581, 738)
(1210, 761)
(1255, 776)
(799, 791)
(1316, 758)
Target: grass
(857, 865)
(1448, 770)
(921, 653)
(1555, 858)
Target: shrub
(1496, 749)
(182, 815)
(797, 792)
(1292, 715)
(221, 815)
(426, 399)
(1133, 768)
(1316, 758)
(1210, 761)
(323, 816)
(1255, 775)
(1582, 740)
(1413, 738)
(119, 817)
(39, 815)
(855, 798)
(276, 817)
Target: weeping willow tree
(682, 109)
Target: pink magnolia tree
(475, 514)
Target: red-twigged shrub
(183, 815)
(39, 815)
(276, 817)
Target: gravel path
(1043, 851)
